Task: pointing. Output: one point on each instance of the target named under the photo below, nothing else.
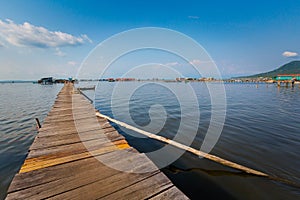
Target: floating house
(51, 80)
(287, 77)
(46, 81)
(111, 80)
(125, 79)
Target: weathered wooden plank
(70, 130)
(142, 189)
(103, 187)
(69, 123)
(92, 177)
(59, 158)
(83, 128)
(171, 193)
(67, 115)
(44, 132)
(47, 141)
(70, 109)
(65, 118)
(128, 161)
(51, 141)
(46, 175)
(59, 135)
(60, 185)
(74, 148)
(114, 135)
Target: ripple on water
(261, 131)
(261, 128)
(19, 105)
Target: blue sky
(52, 38)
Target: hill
(289, 68)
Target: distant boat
(87, 88)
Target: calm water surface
(20, 104)
(261, 131)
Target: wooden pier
(59, 166)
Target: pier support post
(278, 83)
(38, 124)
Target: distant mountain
(289, 68)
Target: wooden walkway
(59, 166)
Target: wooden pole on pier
(200, 153)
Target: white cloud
(72, 63)
(85, 37)
(195, 62)
(199, 62)
(289, 54)
(58, 52)
(36, 36)
(193, 17)
(172, 64)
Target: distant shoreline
(16, 81)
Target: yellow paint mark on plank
(52, 160)
(123, 146)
